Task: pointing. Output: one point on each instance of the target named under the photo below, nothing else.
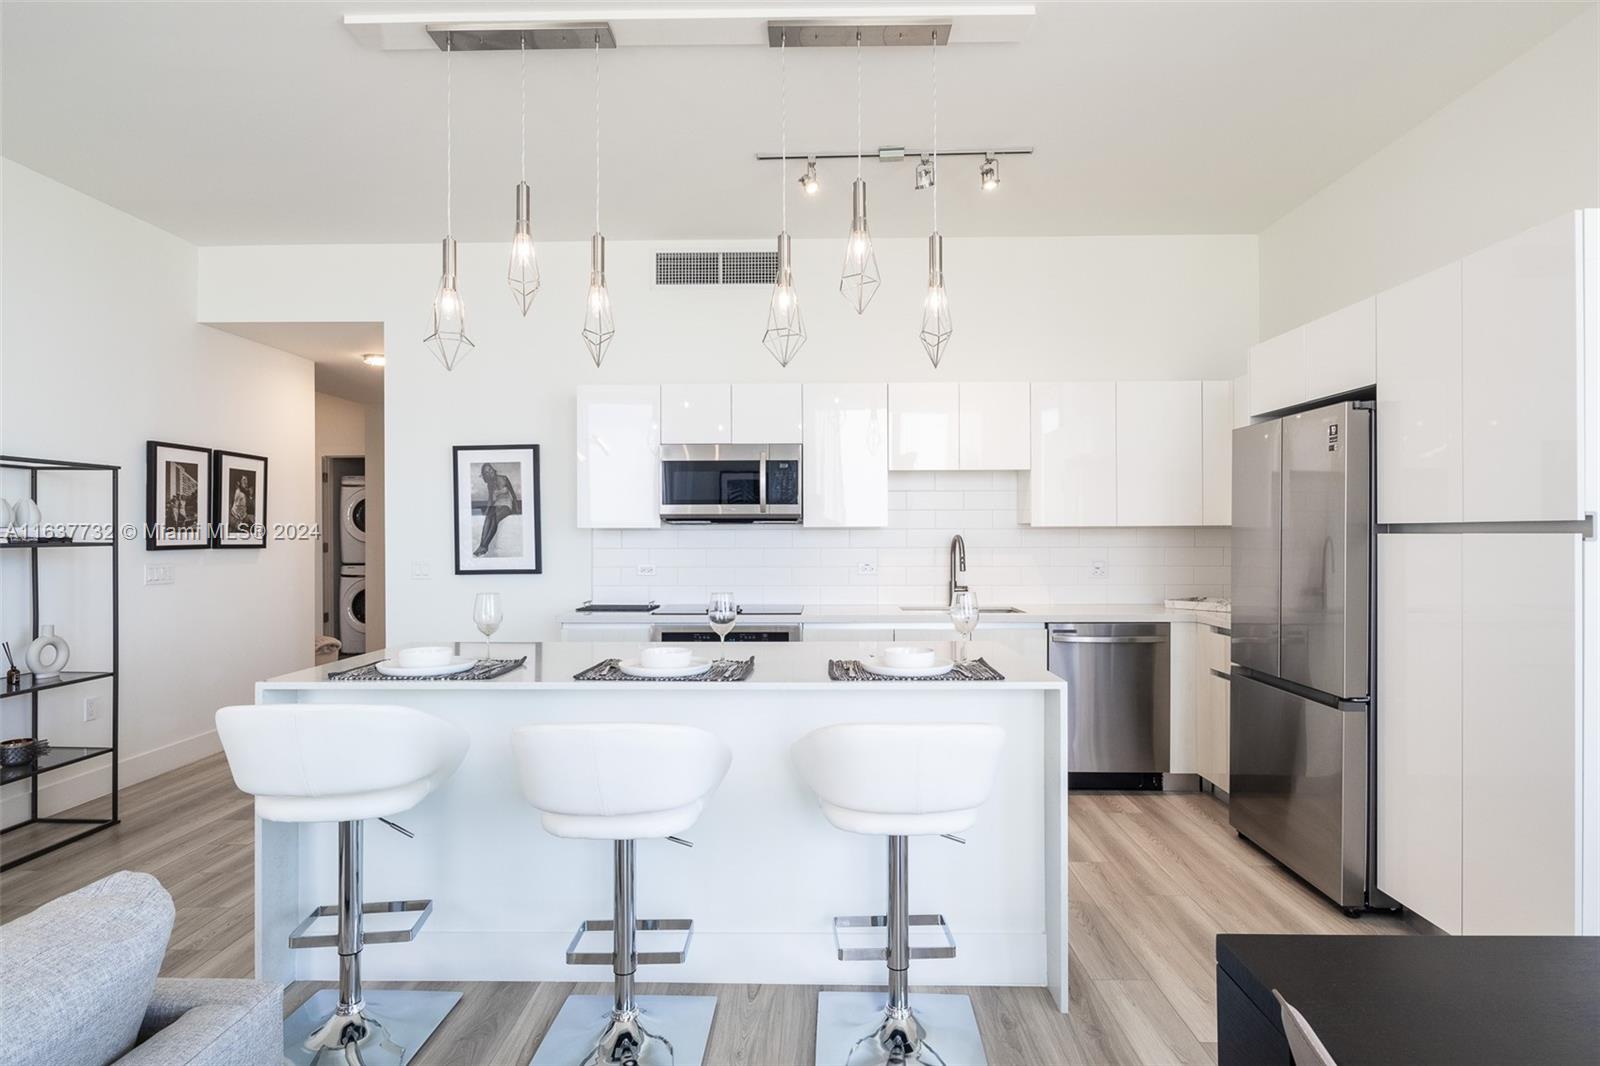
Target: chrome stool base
(856, 1029)
(660, 1031)
(388, 1029)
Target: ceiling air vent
(716, 268)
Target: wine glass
(722, 613)
(964, 613)
(486, 614)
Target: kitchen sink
(981, 610)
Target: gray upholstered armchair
(78, 987)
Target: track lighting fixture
(808, 180)
(989, 173)
(924, 173)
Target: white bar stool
(899, 781)
(346, 763)
(623, 782)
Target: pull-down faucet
(958, 566)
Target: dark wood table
(1495, 1001)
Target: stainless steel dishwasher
(1119, 700)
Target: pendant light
(936, 328)
(448, 341)
(786, 330)
(858, 281)
(598, 328)
(523, 272)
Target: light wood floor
(1153, 879)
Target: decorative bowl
(18, 752)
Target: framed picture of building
(497, 509)
(238, 500)
(177, 496)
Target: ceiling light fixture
(989, 173)
(786, 330)
(373, 358)
(448, 341)
(936, 328)
(808, 180)
(858, 281)
(598, 327)
(523, 272)
(924, 174)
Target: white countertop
(891, 616)
(796, 665)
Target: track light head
(925, 173)
(808, 180)
(989, 173)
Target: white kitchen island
(767, 873)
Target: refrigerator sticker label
(1333, 437)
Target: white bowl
(424, 655)
(664, 656)
(901, 655)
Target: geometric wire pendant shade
(448, 341)
(936, 328)
(522, 274)
(598, 327)
(785, 334)
(858, 280)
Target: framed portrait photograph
(177, 499)
(238, 500)
(497, 509)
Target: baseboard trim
(67, 788)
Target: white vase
(47, 655)
(26, 516)
(5, 514)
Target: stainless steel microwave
(730, 483)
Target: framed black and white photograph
(497, 509)
(177, 502)
(238, 500)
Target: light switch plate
(158, 575)
(646, 569)
(420, 572)
(91, 708)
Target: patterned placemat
(482, 670)
(726, 670)
(971, 670)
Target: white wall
(1519, 148)
(1063, 308)
(102, 352)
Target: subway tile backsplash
(909, 562)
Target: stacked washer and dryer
(353, 565)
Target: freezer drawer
(1299, 784)
(1118, 692)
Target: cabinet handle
(1062, 638)
(1223, 674)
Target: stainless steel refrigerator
(1300, 743)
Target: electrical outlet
(158, 575)
(421, 572)
(91, 709)
(866, 569)
(646, 569)
(1097, 568)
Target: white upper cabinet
(1241, 401)
(1216, 453)
(1523, 306)
(846, 464)
(1340, 351)
(1159, 469)
(1419, 399)
(1278, 372)
(1073, 479)
(766, 414)
(619, 456)
(994, 425)
(696, 414)
(925, 426)
(1419, 723)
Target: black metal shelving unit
(62, 756)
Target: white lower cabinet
(1419, 719)
(846, 466)
(1212, 713)
(1480, 730)
(1522, 741)
(846, 632)
(601, 633)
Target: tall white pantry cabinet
(1488, 713)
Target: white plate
(633, 668)
(939, 668)
(458, 665)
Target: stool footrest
(643, 925)
(881, 921)
(422, 908)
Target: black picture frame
(158, 535)
(525, 492)
(222, 536)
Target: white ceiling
(335, 347)
(245, 122)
